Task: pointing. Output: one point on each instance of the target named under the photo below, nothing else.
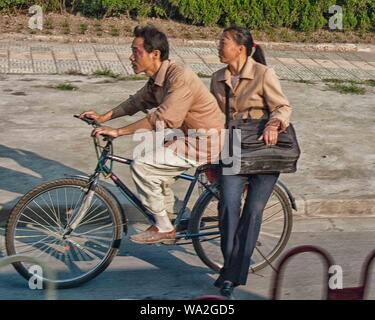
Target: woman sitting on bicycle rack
(254, 92)
(182, 101)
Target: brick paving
(20, 57)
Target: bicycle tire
(100, 193)
(195, 226)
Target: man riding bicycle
(175, 97)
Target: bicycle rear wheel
(36, 224)
(274, 234)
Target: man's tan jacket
(177, 98)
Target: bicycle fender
(291, 197)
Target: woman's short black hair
(153, 40)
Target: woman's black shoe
(219, 282)
(227, 289)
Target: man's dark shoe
(227, 289)
(152, 235)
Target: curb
(306, 208)
(282, 46)
(315, 208)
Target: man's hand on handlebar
(93, 115)
(105, 131)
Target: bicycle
(76, 224)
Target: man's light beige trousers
(154, 173)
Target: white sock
(162, 222)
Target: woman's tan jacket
(257, 91)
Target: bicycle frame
(102, 168)
(194, 179)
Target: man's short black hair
(153, 40)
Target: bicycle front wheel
(274, 234)
(36, 225)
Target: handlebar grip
(88, 121)
(94, 124)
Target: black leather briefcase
(254, 156)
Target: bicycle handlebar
(89, 121)
(95, 124)
(108, 148)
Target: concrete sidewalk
(40, 140)
(291, 61)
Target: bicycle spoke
(88, 251)
(88, 221)
(269, 235)
(271, 206)
(38, 224)
(87, 214)
(72, 266)
(67, 218)
(85, 256)
(102, 232)
(48, 207)
(43, 230)
(264, 221)
(25, 230)
(40, 216)
(94, 237)
(210, 239)
(79, 200)
(91, 205)
(80, 255)
(25, 237)
(48, 247)
(37, 246)
(101, 249)
(99, 228)
(53, 208)
(209, 228)
(58, 208)
(28, 244)
(89, 211)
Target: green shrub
(8, 4)
(304, 15)
(82, 28)
(91, 8)
(201, 12)
(114, 7)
